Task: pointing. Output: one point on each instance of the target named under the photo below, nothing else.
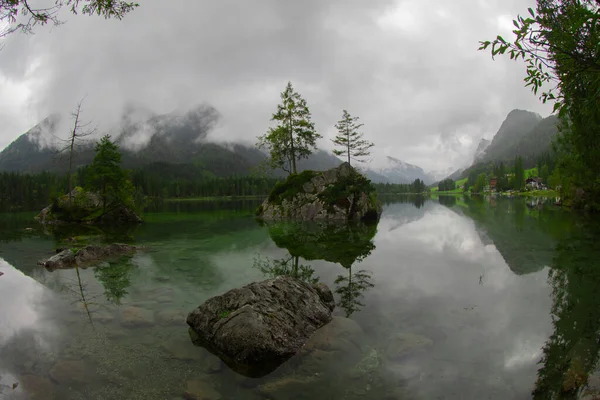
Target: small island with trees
(341, 193)
(106, 198)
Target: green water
(448, 298)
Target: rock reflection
(344, 244)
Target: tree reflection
(285, 266)
(448, 201)
(571, 354)
(340, 243)
(351, 288)
(116, 279)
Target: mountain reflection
(529, 239)
(342, 243)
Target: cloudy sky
(409, 69)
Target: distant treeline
(157, 186)
(31, 192)
(417, 187)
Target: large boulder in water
(255, 328)
(86, 256)
(341, 194)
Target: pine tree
(106, 177)
(519, 181)
(354, 147)
(294, 137)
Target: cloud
(409, 69)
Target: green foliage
(25, 192)
(163, 180)
(466, 187)
(559, 43)
(350, 139)
(11, 9)
(341, 243)
(224, 314)
(417, 187)
(572, 352)
(294, 137)
(446, 185)
(352, 185)
(519, 177)
(106, 177)
(290, 187)
(545, 174)
(350, 288)
(116, 279)
(288, 266)
(480, 183)
(77, 209)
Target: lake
(449, 298)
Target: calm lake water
(448, 298)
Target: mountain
(397, 171)
(523, 133)
(516, 136)
(481, 149)
(146, 139)
(28, 152)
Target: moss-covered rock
(86, 207)
(340, 193)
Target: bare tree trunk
(77, 135)
(71, 148)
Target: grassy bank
(538, 193)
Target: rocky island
(340, 194)
(81, 206)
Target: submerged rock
(255, 328)
(71, 372)
(405, 344)
(201, 389)
(340, 193)
(37, 388)
(86, 255)
(136, 317)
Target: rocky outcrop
(255, 328)
(340, 193)
(86, 256)
(86, 207)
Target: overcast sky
(409, 69)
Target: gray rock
(340, 194)
(86, 256)
(255, 328)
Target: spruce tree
(350, 139)
(106, 177)
(294, 137)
